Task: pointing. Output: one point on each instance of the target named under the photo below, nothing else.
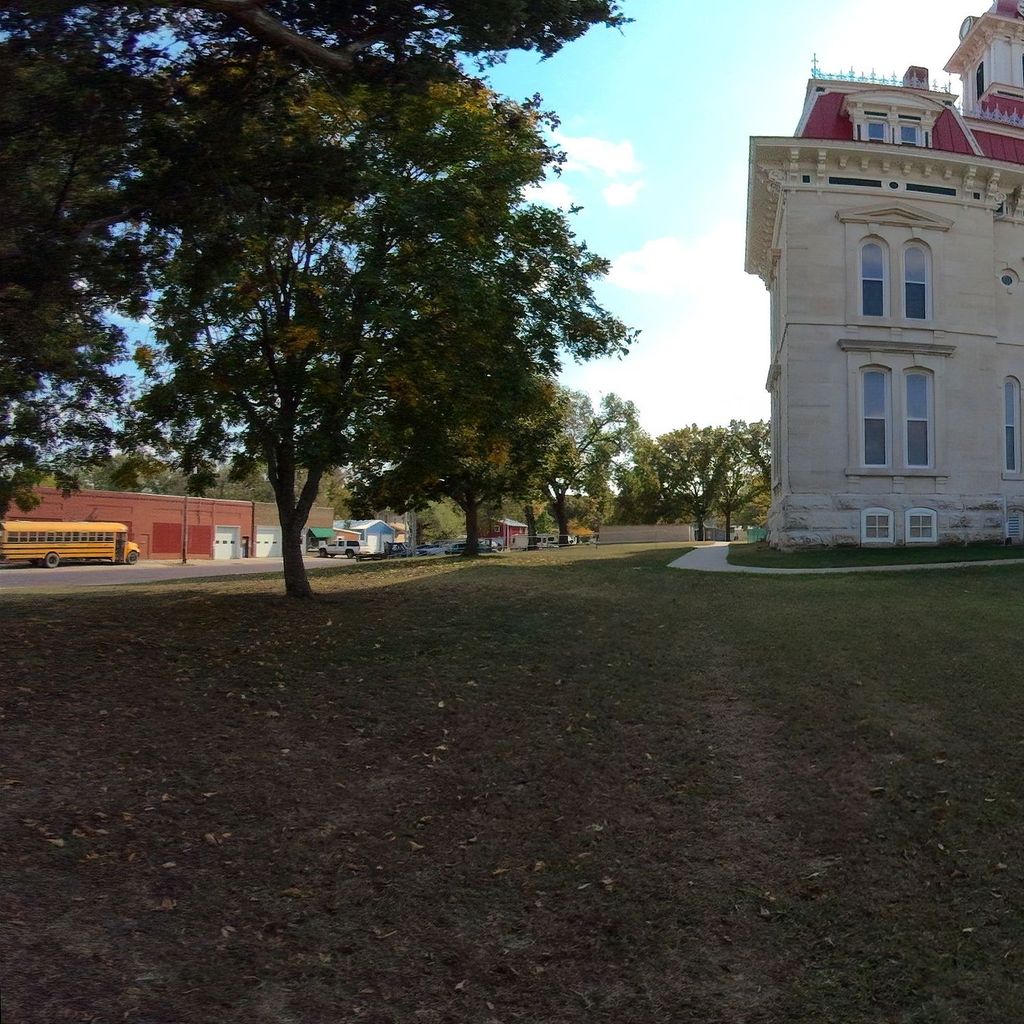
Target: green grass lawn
(831, 558)
(553, 787)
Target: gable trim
(900, 216)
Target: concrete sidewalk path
(714, 558)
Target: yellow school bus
(48, 544)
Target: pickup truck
(340, 546)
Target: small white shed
(373, 533)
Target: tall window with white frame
(919, 407)
(915, 283)
(1011, 419)
(872, 279)
(875, 417)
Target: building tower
(889, 231)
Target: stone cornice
(780, 165)
(914, 348)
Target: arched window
(1011, 419)
(875, 416)
(919, 526)
(876, 526)
(872, 279)
(919, 406)
(915, 283)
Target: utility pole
(184, 529)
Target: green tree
(755, 441)
(638, 497)
(584, 450)
(290, 317)
(101, 111)
(692, 466)
(474, 442)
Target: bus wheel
(131, 558)
(52, 560)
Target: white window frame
(915, 128)
(1011, 395)
(884, 126)
(929, 420)
(912, 513)
(862, 417)
(927, 282)
(884, 249)
(875, 512)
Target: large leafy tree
(355, 264)
(476, 441)
(638, 497)
(692, 464)
(584, 450)
(99, 111)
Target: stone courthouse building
(889, 231)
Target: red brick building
(161, 524)
(215, 528)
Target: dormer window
(899, 118)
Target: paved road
(713, 558)
(72, 576)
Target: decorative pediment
(895, 214)
(896, 99)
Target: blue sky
(656, 123)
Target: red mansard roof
(1003, 105)
(1001, 147)
(948, 136)
(826, 121)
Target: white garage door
(268, 542)
(225, 542)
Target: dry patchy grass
(560, 786)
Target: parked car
(433, 548)
(339, 546)
(456, 547)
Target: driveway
(72, 576)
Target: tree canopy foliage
(368, 274)
(696, 473)
(587, 443)
(117, 118)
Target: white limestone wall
(973, 339)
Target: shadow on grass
(574, 787)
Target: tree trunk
(728, 525)
(296, 582)
(292, 515)
(700, 528)
(472, 510)
(562, 517)
(531, 527)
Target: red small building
(505, 529)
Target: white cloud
(551, 192)
(589, 155)
(668, 266)
(702, 355)
(618, 193)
